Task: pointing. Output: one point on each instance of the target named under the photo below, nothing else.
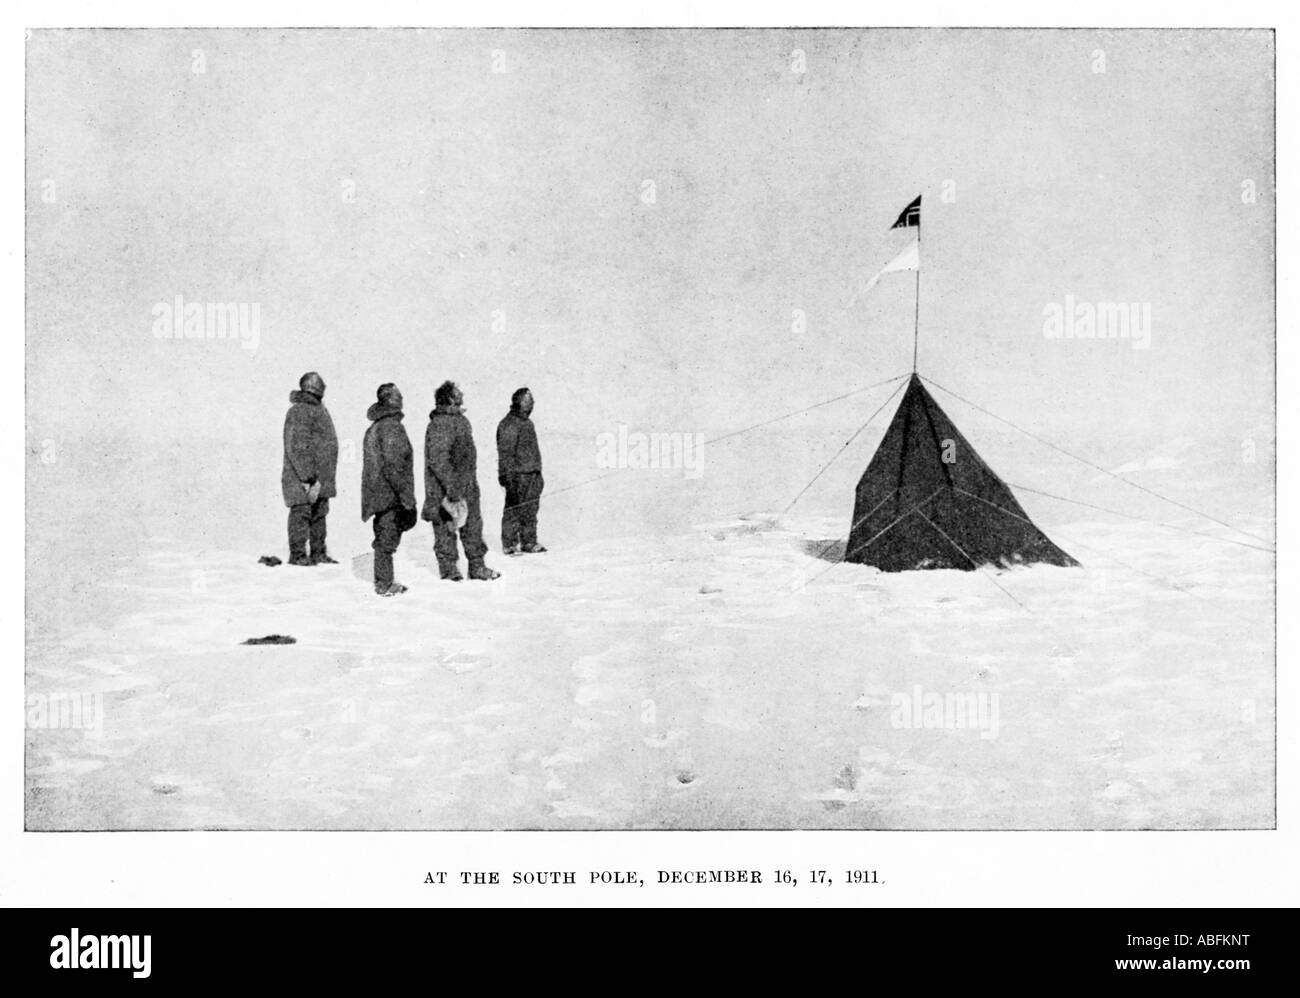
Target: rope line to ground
(1093, 465)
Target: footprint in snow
(461, 662)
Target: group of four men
(451, 493)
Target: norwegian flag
(910, 217)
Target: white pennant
(908, 259)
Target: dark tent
(927, 500)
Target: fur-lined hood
(380, 411)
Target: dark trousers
(471, 536)
(519, 518)
(307, 523)
(389, 527)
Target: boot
(534, 548)
(483, 573)
(451, 573)
(511, 550)
(389, 589)
(301, 559)
(322, 559)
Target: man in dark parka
(451, 496)
(387, 483)
(311, 456)
(519, 472)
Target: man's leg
(319, 553)
(397, 523)
(444, 546)
(532, 495)
(510, 519)
(299, 521)
(471, 537)
(387, 536)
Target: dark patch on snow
(272, 639)
(686, 777)
(269, 560)
(826, 549)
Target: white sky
(520, 192)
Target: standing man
(451, 496)
(387, 484)
(519, 471)
(311, 457)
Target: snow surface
(725, 677)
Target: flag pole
(916, 327)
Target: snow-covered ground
(725, 676)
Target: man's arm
(326, 442)
(395, 452)
(299, 449)
(507, 441)
(437, 459)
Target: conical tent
(927, 500)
